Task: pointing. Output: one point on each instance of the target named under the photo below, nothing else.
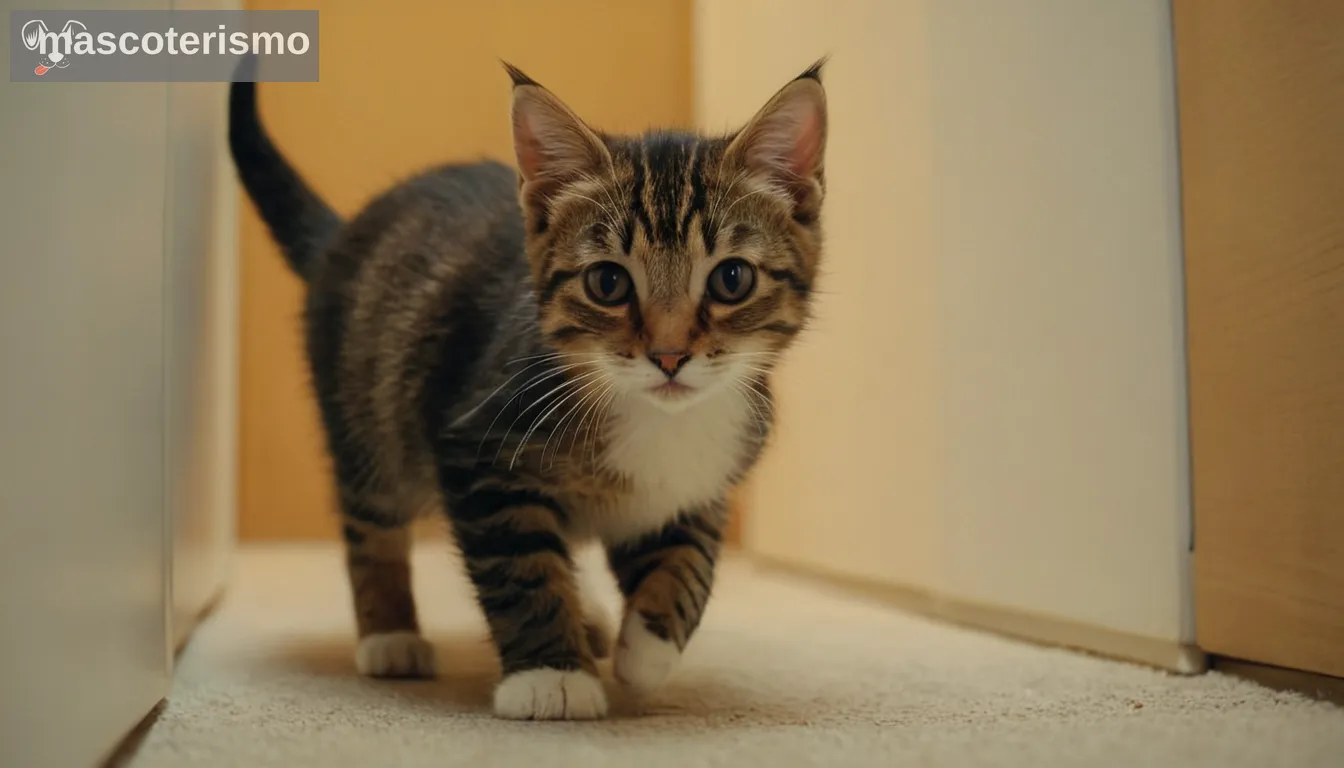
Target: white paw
(550, 694)
(643, 660)
(395, 654)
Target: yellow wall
(403, 86)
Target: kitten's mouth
(672, 390)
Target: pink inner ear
(550, 142)
(787, 141)
(807, 144)
(531, 156)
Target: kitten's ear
(552, 144)
(785, 143)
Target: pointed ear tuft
(785, 143)
(517, 75)
(814, 72)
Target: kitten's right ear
(785, 143)
(552, 144)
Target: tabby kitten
(575, 352)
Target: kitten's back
(413, 306)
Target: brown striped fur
(466, 359)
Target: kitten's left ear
(785, 143)
(552, 144)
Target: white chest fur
(674, 461)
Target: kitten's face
(672, 266)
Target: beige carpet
(782, 673)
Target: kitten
(576, 351)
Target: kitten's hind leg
(518, 560)
(378, 562)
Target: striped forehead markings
(668, 187)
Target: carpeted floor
(782, 673)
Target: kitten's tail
(300, 222)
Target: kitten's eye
(732, 281)
(608, 283)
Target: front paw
(550, 694)
(598, 639)
(644, 660)
(395, 654)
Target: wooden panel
(1309, 684)
(401, 91)
(1262, 132)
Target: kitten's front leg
(524, 577)
(666, 578)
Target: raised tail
(300, 222)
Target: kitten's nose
(670, 362)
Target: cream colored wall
(201, 346)
(118, 326)
(84, 556)
(808, 502)
(1062, 459)
(991, 406)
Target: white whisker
(599, 424)
(606, 190)
(562, 386)
(464, 417)
(529, 384)
(552, 356)
(542, 418)
(609, 216)
(579, 427)
(723, 195)
(758, 191)
(750, 401)
(589, 391)
(765, 399)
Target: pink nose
(669, 362)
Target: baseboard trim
(1044, 630)
(193, 622)
(1311, 684)
(124, 752)
(1048, 630)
